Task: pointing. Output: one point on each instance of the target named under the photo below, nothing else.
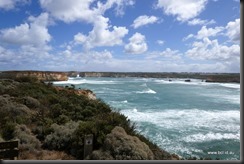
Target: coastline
(63, 76)
(40, 76)
(44, 122)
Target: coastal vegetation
(51, 123)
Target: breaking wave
(149, 91)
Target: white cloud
(70, 11)
(34, 33)
(211, 50)
(205, 32)
(119, 6)
(208, 32)
(137, 44)
(30, 41)
(99, 57)
(184, 10)
(80, 38)
(160, 42)
(11, 4)
(83, 58)
(233, 30)
(197, 21)
(102, 34)
(144, 20)
(6, 55)
(81, 10)
(188, 37)
(169, 53)
(166, 55)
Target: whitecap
(84, 81)
(149, 91)
(202, 137)
(235, 86)
(188, 119)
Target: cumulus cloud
(206, 32)
(79, 38)
(137, 44)
(184, 10)
(227, 57)
(233, 30)
(211, 50)
(34, 33)
(144, 20)
(119, 6)
(11, 4)
(69, 11)
(30, 41)
(102, 34)
(81, 10)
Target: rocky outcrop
(86, 92)
(40, 75)
(118, 145)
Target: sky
(120, 35)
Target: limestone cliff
(40, 75)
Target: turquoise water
(187, 118)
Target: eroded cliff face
(93, 74)
(40, 75)
(86, 92)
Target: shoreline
(63, 76)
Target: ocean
(191, 119)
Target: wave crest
(149, 91)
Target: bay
(193, 118)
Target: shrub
(31, 79)
(61, 138)
(8, 131)
(28, 142)
(31, 102)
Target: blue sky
(120, 35)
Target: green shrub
(30, 79)
(27, 140)
(31, 102)
(62, 136)
(8, 131)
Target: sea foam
(149, 91)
